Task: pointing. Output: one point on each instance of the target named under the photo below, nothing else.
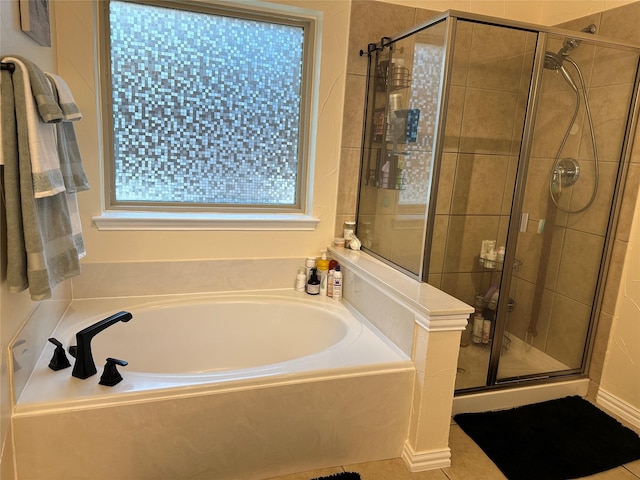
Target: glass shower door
(398, 155)
(575, 162)
(490, 76)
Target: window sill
(203, 221)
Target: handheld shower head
(554, 61)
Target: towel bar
(7, 66)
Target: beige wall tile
(614, 66)
(596, 218)
(579, 265)
(455, 109)
(464, 286)
(488, 120)
(354, 103)
(479, 184)
(610, 109)
(621, 23)
(438, 244)
(461, 53)
(370, 21)
(348, 181)
(496, 58)
(568, 330)
(445, 182)
(555, 111)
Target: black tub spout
(85, 366)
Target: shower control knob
(111, 376)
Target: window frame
(151, 215)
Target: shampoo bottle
(323, 271)
(337, 283)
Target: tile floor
(468, 463)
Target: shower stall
(493, 162)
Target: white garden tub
(234, 385)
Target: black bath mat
(340, 476)
(555, 440)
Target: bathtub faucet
(85, 366)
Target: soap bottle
(313, 285)
(323, 271)
(337, 283)
(301, 280)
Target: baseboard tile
(618, 407)
(426, 460)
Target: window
(207, 109)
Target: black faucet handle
(59, 359)
(111, 376)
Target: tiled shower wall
(369, 22)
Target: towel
(65, 99)
(48, 107)
(45, 163)
(41, 247)
(73, 173)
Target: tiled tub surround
(370, 407)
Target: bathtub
(233, 385)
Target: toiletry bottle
(332, 270)
(478, 324)
(490, 259)
(337, 284)
(486, 331)
(323, 271)
(309, 263)
(500, 257)
(301, 280)
(349, 231)
(313, 285)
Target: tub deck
(364, 351)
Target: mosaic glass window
(206, 108)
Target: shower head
(554, 61)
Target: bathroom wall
(619, 351)
(77, 62)
(16, 309)
(622, 362)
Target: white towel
(45, 163)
